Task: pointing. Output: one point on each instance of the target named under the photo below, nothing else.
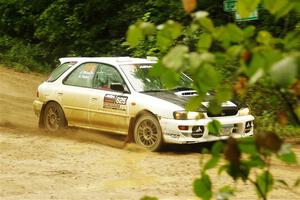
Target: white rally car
(118, 95)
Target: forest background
(34, 34)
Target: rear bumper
(37, 107)
(234, 126)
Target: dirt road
(82, 164)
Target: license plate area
(226, 129)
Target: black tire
(54, 117)
(147, 132)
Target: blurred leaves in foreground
(260, 58)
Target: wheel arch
(133, 121)
(41, 118)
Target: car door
(109, 109)
(76, 94)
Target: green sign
(229, 5)
(252, 16)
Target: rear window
(60, 70)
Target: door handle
(94, 99)
(60, 93)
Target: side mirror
(117, 87)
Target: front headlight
(184, 115)
(244, 111)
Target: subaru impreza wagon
(118, 95)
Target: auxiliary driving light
(244, 111)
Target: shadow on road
(118, 141)
(107, 139)
(187, 148)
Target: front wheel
(54, 118)
(147, 132)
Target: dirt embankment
(82, 164)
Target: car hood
(229, 107)
(170, 97)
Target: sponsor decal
(248, 124)
(198, 129)
(174, 135)
(196, 134)
(115, 102)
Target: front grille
(235, 128)
(227, 111)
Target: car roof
(111, 60)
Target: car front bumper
(197, 130)
(37, 107)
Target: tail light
(37, 94)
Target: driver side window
(107, 75)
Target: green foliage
(170, 77)
(279, 8)
(268, 122)
(201, 18)
(214, 127)
(260, 55)
(264, 184)
(245, 7)
(257, 58)
(137, 32)
(247, 145)
(204, 43)
(134, 35)
(149, 198)
(59, 28)
(244, 156)
(216, 151)
(167, 33)
(175, 58)
(202, 187)
(22, 55)
(225, 193)
(286, 154)
(284, 72)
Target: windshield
(141, 80)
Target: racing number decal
(115, 102)
(121, 100)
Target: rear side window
(60, 70)
(82, 76)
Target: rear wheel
(54, 118)
(147, 132)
